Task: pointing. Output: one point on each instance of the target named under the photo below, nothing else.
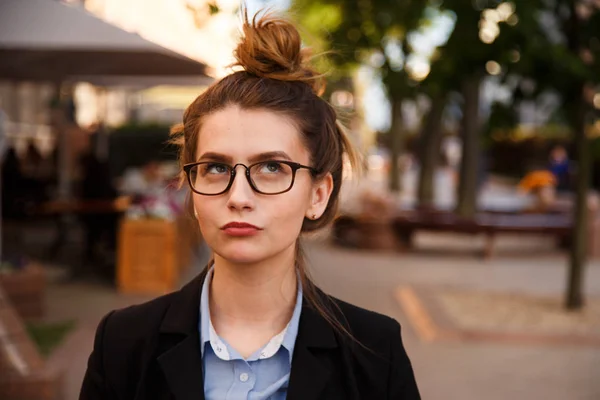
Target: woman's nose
(241, 195)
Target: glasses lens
(210, 178)
(271, 176)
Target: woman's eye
(271, 167)
(217, 169)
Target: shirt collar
(286, 338)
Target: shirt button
(244, 377)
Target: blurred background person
(560, 166)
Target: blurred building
(190, 28)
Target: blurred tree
(556, 48)
(378, 33)
(480, 40)
(579, 22)
(548, 46)
(372, 32)
(429, 149)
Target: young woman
(262, 154)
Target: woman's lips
(240, 229)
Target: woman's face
(234, 135)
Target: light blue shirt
(264, 375)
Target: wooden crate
(148, 256)
(26, 290)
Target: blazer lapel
(181, 361)
(310, 369)
(182, 367)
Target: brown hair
(276, 76)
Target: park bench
(350, 231)
(490, 224)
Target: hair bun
(271, 47)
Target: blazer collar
(182, 363)
(182, 315)
(310, 367)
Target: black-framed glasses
(266, 177)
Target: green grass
(47, 336)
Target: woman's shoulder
(362, 315)
(365, 325)
(176, 310)
(136, 320)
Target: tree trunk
(576, 98)
(396, 145)
(431, 138)
(469, 165)
(578, 251)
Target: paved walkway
(445, 370)
(470, 370)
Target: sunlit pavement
(451, 370)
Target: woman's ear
(319, 197)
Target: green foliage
(541, 41)
(48, 336)
(213, 8)
(503, 117)
(319, 18)
(559, 48)
(359, 31)
(134, 145)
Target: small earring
(314, 216)
(195, 213)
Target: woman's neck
(259, 295)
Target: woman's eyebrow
(270, 155)
(215, 157)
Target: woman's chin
(249, 251)
(242, 254)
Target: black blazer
(152, 351)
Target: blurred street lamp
(515, 56)
(490, 18)
(418, 69)
(493, 68)
(491, 15)
(597, 101)
(488, 35)
(505, 10)
(342, 98)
